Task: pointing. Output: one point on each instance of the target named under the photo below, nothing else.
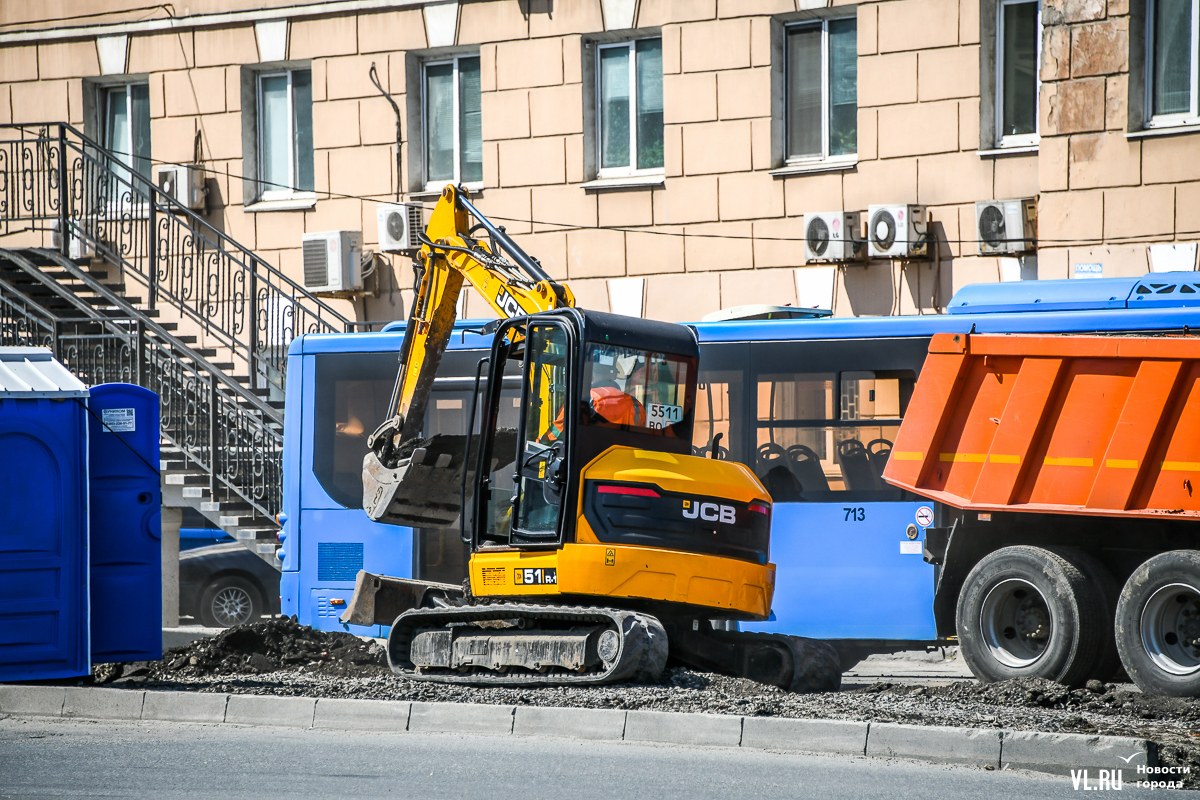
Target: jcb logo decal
(709, 512)
(508, 304)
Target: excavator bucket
(425, 486)
(423, 489)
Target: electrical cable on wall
(564, 227)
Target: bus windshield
(639, 390)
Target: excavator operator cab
(589, 381)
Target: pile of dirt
(263, 647)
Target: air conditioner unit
(399, 224)
(1006, 226)
(896, 231)
(78, 248)
(832, 236)
(332, 261)
(184, 182)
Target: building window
(1018, 40)
(1172, 38)
(629, 107)
(822, 90)
(126, 127)
(285, 137)
(453, 123)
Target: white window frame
(108, 92)
(1192, 116)
(630, 171)
(432, 185)
(1024, 139)
(117, 206)
(824, 157)
(267, 194)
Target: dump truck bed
(1106, 425)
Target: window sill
(657, 181)
(1165, 130)
(476, 189)
(814, 167)
(299, 202)
(1015, 150)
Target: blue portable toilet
(126, 524)
(43, 518)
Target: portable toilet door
(126, 511)
(43, 518)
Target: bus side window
(824, 434)
(721, 402)
(712, 427)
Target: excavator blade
(424, 487)
(379, 599)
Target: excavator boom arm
(448, 258)
(409, 484)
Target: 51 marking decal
(535, 576)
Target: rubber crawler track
(642, 655)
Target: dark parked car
(223, 585)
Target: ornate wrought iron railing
(207, 416)
(53, 178)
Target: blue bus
(811, 405)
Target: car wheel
(1158, 624)
(1028, 612)
(228, 601)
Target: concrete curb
(362, 715)
(570, 723)
(979, 747)
(1054, 753)
(805, 735)
(674, 728)
(461, 718)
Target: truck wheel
(1028, 612)
(1108, 661)
(1158, 624)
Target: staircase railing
(216, 424)
(52, 177)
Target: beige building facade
(658, 155)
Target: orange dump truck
(1065, 472)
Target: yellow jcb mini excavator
(599, 543)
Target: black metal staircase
(208, 330)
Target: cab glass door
(541, 472)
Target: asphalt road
(73, 758)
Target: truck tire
(1028, 612)
(1108, 660)
(1158, 624)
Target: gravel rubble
(281, 657)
